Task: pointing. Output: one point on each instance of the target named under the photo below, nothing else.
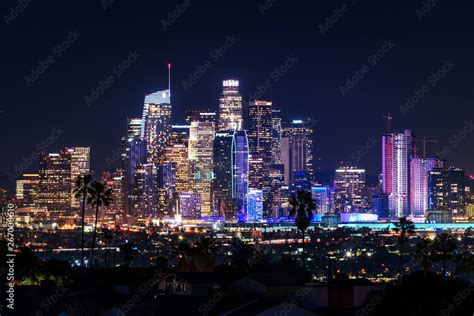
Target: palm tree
(444, 248)
(108, 239)
(100, 195)
(302, 206)
(404, 227)
(128, 252)
(424, 251)
(81, 191)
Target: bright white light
(348, 254)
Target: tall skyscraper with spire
(230, 107)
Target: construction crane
(424, 140)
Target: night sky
(414, 45)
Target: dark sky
(32, 109)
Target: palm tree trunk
(82, 228)
(94, 234)
(400, 268)
(303, 254)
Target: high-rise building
(190, 205)
(322, 197)
(55, 183)
(447, 191)
(178, 154)
(254, 206)
(276, 136)
(134, 154)
(277, 181)
(230, 183)
(256, 171)
(27, 190)
(297, 147)
(145, 196)
(397, 151)
(114, 180)
(200, 155)
(80, 166)
(419, 173)
(179, 135)
(156, 124)
(260, 128)
(166, 188)
(230, 107)
(349, 190)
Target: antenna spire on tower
(169, 78)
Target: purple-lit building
(419, 178)
(254, 206)
(397, 149)
(189, 205)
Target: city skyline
(315, 73)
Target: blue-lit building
(166, 187)
(322, 197)
(301, 181)
(231, 167)
(190, 205)
(254, 206)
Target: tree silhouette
(302, 207)
(81, 191)
(444, 248)
(404, 227)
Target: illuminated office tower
(349, 190)
(447, 191)
(80, 166)
(256, 172)
(156, 124)
(277, 181)
(201, 116)
(397, 151)
(178, 154)
(297, 147)
(134, 154)
(285, 158)
(200, 155)
(260, 128)
(145, 196)
(254, 206)
(322, 197)
(55, 183)
(230, 183)
(189, 205)
(166, 188)
(419, 174)
(179, 135)
(276, 136)
(114, 180)
(230, 107)
(27, 190)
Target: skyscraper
(297, 147)
(134, 154)
(156, 124)
(321, 195)
(447, 191)
(230, 183)
(397, 151)
(276, 136)
(230, 106)
(166, 188)
(114, 180)
(419, 175)
(145, 195)
(201, 139)
(27, 190)
(349, 190)
(260, 128)
(55, 183)
(80, 166)
(178, 154)
(190, 205)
